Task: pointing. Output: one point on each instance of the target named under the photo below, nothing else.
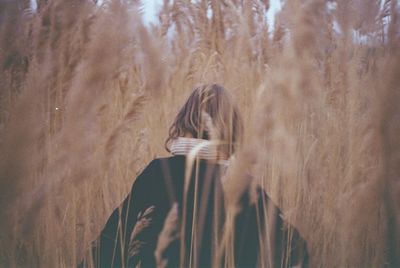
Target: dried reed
(88, 91)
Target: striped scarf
(203, 149)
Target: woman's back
(132, 232)
(175, 215)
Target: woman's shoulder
(159, 166)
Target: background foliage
(88, 93)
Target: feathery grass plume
(69, 143)
(23, 130)
(168, 237)
(236, 181)
(19, 143)
(390, 130)
(83, 99)
(14, 56)
(130, 117)
(144, 220)
(209, 127)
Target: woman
(174, 215)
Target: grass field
(88, 94)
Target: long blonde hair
(209, 113)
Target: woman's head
(209, 113)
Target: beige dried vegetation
(88, 93)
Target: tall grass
(88, 93)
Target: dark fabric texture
(131, 234)
(262, 236)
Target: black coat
(193, 233)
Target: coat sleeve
(110, 249)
